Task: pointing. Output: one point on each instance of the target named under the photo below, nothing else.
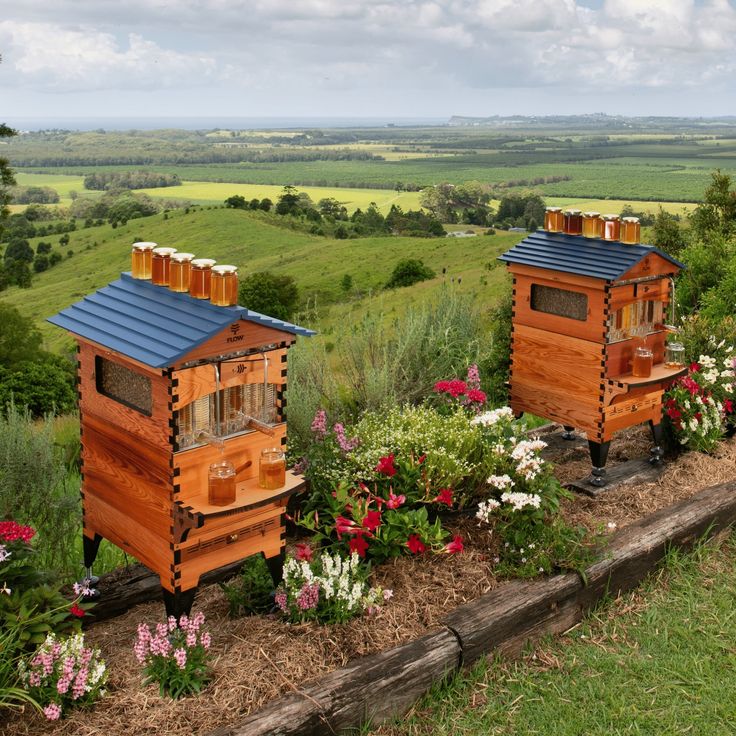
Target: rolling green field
(250, 241)
(204, 192)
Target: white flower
(693, 424)
(489, 418)
(388, 594)
(520, 500)
(500, 481)
(5, 589)
(4, 554)
(706, 361)
(728, 373)
(728, 388)
(486, 509)
(611, 525)
(711, 376)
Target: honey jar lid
(630, 219)
(145, 246)
(204, 262)
(224, 269)
(553, 209)
(591, 214)
(610, 217)
(573, 212)
(182, 256)
(164, 251)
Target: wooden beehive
(161, 374)
(576, 303)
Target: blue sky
(77, 58)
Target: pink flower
(345, 526)
(444, 496)
(279, 599)
(455, 546)
(304, 552)
(386, 466)
(372, 520)
(473, 378)
(180, 656)
(308, 597)
(52, 711)
(319, 423)
(358, 544)
(415, 544)
(395, 501)
(346, 445)
(206, 640)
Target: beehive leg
(656, 452)
(90, 547)
(598, 456)
(179, 602)
(276, 566)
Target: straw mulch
(258, 658)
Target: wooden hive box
(156, 371)
(575, 302)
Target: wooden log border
(380, 687)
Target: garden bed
(258, 658)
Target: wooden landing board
(617, 476)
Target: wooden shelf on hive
(248, 496)
(658, 375)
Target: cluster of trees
(330, 217)
(30, 376)
(20, 261)
(107, 180)
(34, 195)
(522, 209)
(117, 207)
(29, 224)
(467, 203)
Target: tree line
(106, 180)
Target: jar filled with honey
(160, 263)
(573, 222)
(591, 222)
(179, 270)
(611, 227)
(221, 483)
(224, 286)
(140, 257)
(199, 278)
(630, 230)
(272, 469)
(642, 363)
(553, 219)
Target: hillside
(246, 239)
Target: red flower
(442, 387)
(395, 501)
(456, 546)
(372, 520)
(358, 544)
(694, 367)
(75, 610)
(304, 552)
(422, 458)
(455, 388)
(415, 544)
(444, 496)
(728, 406)
(386, 466)
(475, 394)
(673, 413)
(12, 531)
(345, 526)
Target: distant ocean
(209, 123)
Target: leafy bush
(270, 294)
(251, 592)
(12, 692)
(64, 672)
(496, 363)
(409, 271)
(176, 656)
(43, 386)
(329, 590)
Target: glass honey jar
(199, 277)
(179, 271)
(591, 223)
(642, 363)
(140, 257)
(272, 469)
(610, 227)
(630, 230)
(573, 222)
(221, 483)
(553, 219)
(160, 262)
(674, 355)
(224, 286)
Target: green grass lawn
(659, 661)
(255, 244)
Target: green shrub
(251, 592)
(43, 386)
(496, 362)
(409, 271)
(270, 294)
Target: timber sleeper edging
(379, 687)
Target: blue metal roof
(601, 259)
(153, 324)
